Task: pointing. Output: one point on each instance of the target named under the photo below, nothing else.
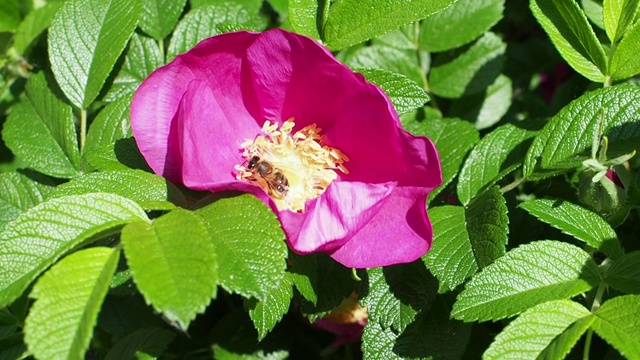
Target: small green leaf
(405, 94)
(572, 35)
(40, 130)
(396, 294)
(85, 41)
(432, 336)
(56, 226)
(486, 108)
(68, 298)
(142, 57)
(307, 16)
(451, 259)
(249, 243)
(36, 22)
(160, 16)
(354, 21)
(201, 23)
(386, 58)
(624, 273)
(537, 328)
(625, 62)
(526, 276)
(152, 341)
(173, 263)
(18, 193)
(498, 153)
(578, 222)
(122, 154)
(459, 24)
(111, 124)
(453, 139)
(618, 16)
(488, 226)
(468, 70)
(267, 313)
(150, 191)
(593, 10)
(618, 323)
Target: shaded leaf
(618, 323)
(34, 24)
(486, 108)
(625, 62)
(405, 94)
(111, 124)
(152, 341)
(624, 273)
(488, 226)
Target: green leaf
(18, 193)
(307, 16)
(572, 35)
(453, 139)
(404, 93)
(618, 16)
(538, 328)
(578, 222)
(459, 24)
(354, 21)
(33, 25)
(488, 226)
(111, 124)
(303, 275)
(160, 16)
(485, 109)
(150, 191)
(9, 15)
(40, 130)
(593, 10)
(85, 41)
(386, 58)
(249, 243)
(618, 323)
(68, 299)
(624, 273)
(142, 57)
(122, 154)
(498, 154)
(56, 226)
(396, 294)
(451, 259)
(566, 139)
(432, 336)
(201, 23)
(526, 276)
(625, 62)
(173, 263)
(152, 341)
(468, 70)
(267, 313)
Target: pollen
(291, 167)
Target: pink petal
(334, 217)
(399, 233)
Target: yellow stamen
(291, 168)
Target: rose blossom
(275, 115)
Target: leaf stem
(587, 344)
(161, 48)
(513, 185)
(83, 128)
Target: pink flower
(275, 115)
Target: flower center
(291, 168)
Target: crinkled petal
(334, 217)
(399, 233)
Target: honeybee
(276, 181)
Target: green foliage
(70, 292)
(533, 107)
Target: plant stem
(161, 47)
(587, 345)
(83, 128)
(512, 185)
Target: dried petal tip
(291, 168)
